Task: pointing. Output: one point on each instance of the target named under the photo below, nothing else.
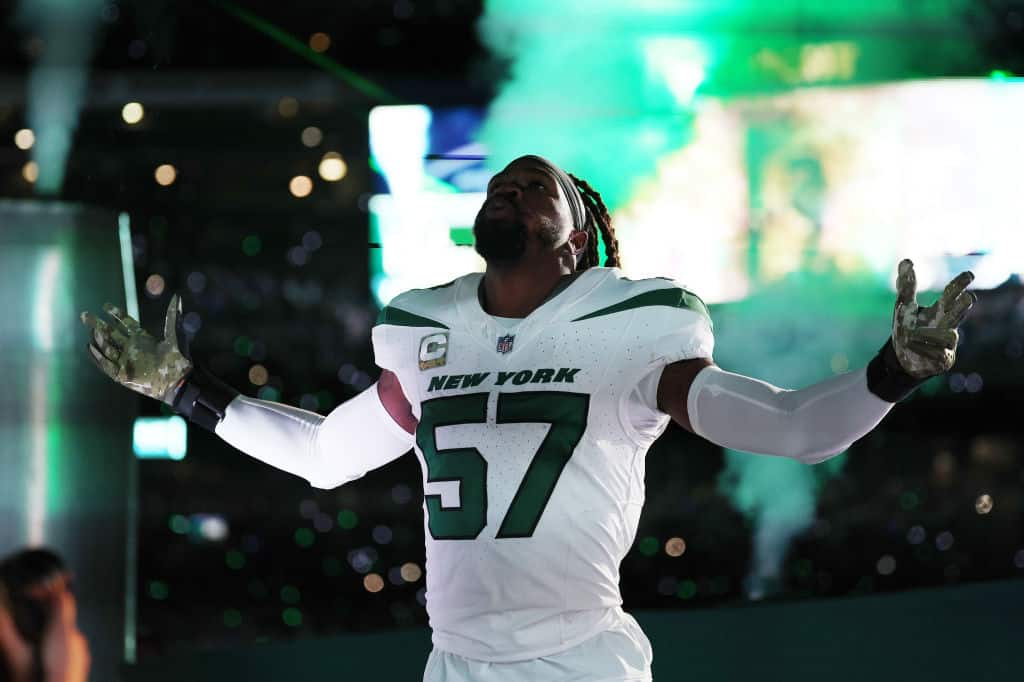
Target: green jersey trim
(401, 318)
(674, 298)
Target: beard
(503, 240)
(499, 240)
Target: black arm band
(886, 377)
(203, 398)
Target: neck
(517, 291)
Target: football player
(530, 394)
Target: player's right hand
(129, 355)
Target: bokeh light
(132, 113)
(312, 136)
(373, 582)
(319, 42)
(311, 241)
(304, 537)
(297, 255)
(165, 174)
(395, 576)
(155, 285)
(332, 167)
(916, 535)
(347, 519)
(648, 546)
(179, 525)
(258, 375)
(159, 590)
(323, 523)
(271, 393)
(234, 559)
(24, 139)
(30, 171)
(382, 535)
(300, 186)
(411, 572)
(251, 245)
(214, 528)
(288, 107)
(196, 282)
(675, 547)
(362, 559)
(886, 565)
(242, 345)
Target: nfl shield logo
(505, 343)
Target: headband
(572, 194)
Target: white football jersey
(531, 437)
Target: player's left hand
(925, 338)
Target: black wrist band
(886, 377)
(203, 398)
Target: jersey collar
(485, 329)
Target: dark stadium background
(295, 560)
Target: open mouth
(504, 210)
(499, 207)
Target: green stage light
(160, 438)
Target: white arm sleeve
(811, 424)
(356, 437)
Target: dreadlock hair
(597, 219)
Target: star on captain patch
(505, 343)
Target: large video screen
(852, 178)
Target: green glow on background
(58, 269)
(747, 149)
(47, 281)
(57, 79)
(160, 438)
(45, 492)
(606, 95)
(124, 236)
(606, 115)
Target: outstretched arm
(741, 413)
(359, 435)
(817, 422)
(362, 434)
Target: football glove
(129, 355)
(925, 338)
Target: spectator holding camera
(39, 636)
